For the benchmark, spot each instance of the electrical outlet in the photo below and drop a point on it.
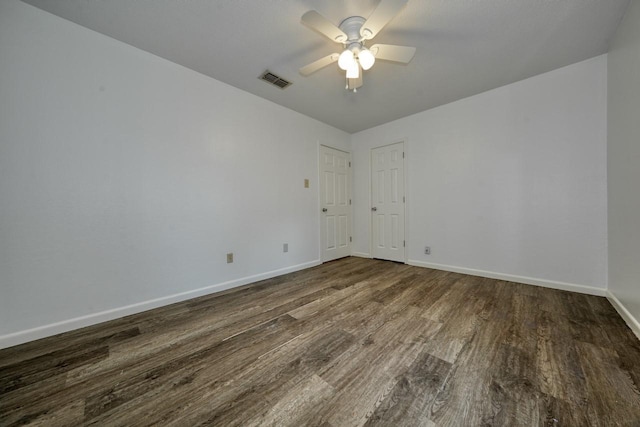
(285, 247)
(427, 250)
(229, 257)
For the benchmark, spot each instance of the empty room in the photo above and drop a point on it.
(320, 213)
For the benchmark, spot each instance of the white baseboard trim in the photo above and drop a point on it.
(590, 290)
(21, 337)
(631, 321)
(361, 254)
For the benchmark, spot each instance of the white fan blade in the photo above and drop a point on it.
(320, 63)
(389, 52)
(321, 24)
(385, 12)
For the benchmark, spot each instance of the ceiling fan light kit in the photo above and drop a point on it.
(356, 54)
(352, 33)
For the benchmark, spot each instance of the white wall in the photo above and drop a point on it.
(125, 179)
(623, 167)
(511, 182)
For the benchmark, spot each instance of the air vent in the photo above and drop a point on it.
(268, 76)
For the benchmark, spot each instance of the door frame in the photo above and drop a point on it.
(405, 169)
(319, 197)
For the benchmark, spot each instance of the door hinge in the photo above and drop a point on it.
(403, 154)
(404, 244)
(404, 200)
(350, 239)
(349, 201)
(349, 164)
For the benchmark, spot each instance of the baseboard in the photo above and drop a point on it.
(631, 321)
(21, 337)
(361, 254)
(590, 290)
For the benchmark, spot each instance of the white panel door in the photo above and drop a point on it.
(387, 202)
(335, 203)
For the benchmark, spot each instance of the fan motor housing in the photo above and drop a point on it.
(351, 27)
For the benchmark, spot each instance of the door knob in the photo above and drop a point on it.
(373, 209)
(324, 209)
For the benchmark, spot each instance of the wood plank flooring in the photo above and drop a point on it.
(348, 343)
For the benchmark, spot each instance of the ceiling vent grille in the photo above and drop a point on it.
(269, 77)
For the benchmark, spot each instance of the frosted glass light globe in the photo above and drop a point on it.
(366, 59)
(346, 60)
(353, 72)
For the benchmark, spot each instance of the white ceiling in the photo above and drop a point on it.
(464, 47)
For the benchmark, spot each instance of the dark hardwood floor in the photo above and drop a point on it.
(351, 342)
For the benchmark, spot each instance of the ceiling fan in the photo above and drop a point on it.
(352, 33)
